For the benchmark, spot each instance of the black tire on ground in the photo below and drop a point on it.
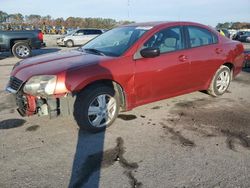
(21, 50)
(69, 43)
(83, 101)
(213, 88)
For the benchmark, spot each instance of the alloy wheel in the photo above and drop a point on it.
(22, 51)
(223, 81)
(102, 110)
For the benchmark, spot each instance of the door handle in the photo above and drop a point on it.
(218, 50)
(183, 58)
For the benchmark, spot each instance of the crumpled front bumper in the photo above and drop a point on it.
(28, 105)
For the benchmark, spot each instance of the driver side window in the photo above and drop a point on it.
(167, 40)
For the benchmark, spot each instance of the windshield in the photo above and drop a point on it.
(116, 41)
(71, 32)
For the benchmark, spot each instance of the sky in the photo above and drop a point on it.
(209, 12)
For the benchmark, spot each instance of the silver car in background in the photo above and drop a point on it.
(78, 37)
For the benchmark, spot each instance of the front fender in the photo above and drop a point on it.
(77, 79)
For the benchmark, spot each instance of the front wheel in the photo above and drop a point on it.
(21, 50)
(69, 43)
(220, 81)
(96, 108)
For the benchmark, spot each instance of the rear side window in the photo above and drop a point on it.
(92, 32)
(200, 37)
(98, 32)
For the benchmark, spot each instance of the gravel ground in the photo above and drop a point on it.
(192, 140)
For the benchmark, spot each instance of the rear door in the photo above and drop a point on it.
(165, 75)
(89, 34)
(205, 55)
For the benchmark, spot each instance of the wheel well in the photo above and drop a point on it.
(13, 41)
(117, 87)
(69, 40)
(229, 65)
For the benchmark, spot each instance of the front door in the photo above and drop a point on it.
(165, 75)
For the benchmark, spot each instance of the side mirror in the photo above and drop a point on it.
(150, 52)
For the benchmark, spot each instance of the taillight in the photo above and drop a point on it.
(40, 36)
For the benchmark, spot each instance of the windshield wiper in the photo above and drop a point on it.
(94, 51)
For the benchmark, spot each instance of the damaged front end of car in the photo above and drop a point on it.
(37, 96)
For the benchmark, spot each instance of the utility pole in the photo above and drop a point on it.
(128, 8)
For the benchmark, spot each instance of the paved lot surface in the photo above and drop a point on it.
(192, 140)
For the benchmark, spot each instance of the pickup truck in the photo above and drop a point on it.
(20, 43)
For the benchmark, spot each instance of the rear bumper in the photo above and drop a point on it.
(38, 45)
(43, 44)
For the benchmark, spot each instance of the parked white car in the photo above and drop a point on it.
(78, 37)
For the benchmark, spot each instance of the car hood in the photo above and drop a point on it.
(54, 63)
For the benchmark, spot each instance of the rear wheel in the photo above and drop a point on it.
(96, 108)
(21, 50)
(220, 81)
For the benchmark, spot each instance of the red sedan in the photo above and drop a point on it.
(126, 67)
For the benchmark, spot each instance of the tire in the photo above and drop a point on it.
(21, 50)
(220, 81)
(69, 43)
(101, 116)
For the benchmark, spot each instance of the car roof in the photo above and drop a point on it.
(88, 29)
(143, 24)
(159, 23)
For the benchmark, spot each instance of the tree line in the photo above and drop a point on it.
(105, 23)
(38, 20)
(234, 25)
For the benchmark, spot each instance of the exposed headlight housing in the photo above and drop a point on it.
(41, 85)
